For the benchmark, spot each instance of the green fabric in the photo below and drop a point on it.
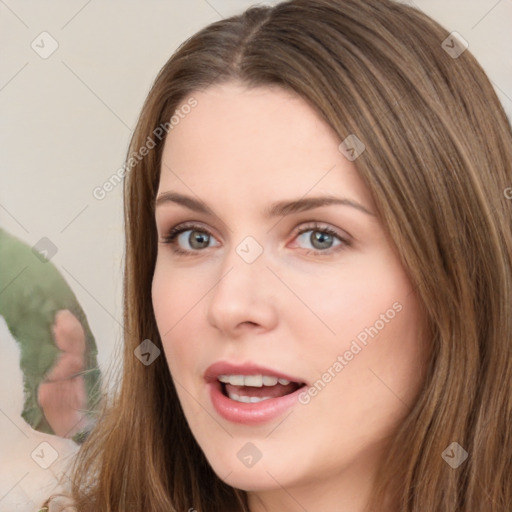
(31, 293)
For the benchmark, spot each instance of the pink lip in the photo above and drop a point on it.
(252, 413)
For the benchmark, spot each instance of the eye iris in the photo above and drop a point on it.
(201, 238)
(324, 239)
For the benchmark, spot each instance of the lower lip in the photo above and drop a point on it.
(250, 414)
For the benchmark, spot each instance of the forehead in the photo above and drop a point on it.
(230, 118)
(257, 141)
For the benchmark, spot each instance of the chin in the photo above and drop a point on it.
(254, 480)
(269, 472)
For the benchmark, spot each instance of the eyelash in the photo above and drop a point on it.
(170, 238)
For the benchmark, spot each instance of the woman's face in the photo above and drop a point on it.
(280, 270)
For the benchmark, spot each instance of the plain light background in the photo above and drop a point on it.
(66, 122)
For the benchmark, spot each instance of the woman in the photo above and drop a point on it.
(318, 274)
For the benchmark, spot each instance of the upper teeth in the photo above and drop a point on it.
(252, 380)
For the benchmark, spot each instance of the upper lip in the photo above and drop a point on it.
(226, 368)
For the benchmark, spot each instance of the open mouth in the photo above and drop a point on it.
(250, 394)
(256, 388)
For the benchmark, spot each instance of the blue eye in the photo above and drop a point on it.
(198, 238)
(322, 239)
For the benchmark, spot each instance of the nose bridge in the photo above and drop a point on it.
(243, 293)
(244, 266)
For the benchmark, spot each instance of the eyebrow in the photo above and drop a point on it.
(278, 209)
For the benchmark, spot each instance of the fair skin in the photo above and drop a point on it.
(296, 308)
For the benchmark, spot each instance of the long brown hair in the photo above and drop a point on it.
(438, 162)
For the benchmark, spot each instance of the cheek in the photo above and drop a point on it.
(351, 296)
(372, 319)
(383, 355)
(173, 300)
(176, 293)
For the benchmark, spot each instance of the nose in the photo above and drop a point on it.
(244, 297)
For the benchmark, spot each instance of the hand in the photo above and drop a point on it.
(62, 394)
